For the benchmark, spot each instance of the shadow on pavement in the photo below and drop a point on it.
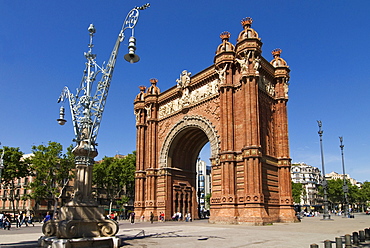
(24, 244)
(173, 234)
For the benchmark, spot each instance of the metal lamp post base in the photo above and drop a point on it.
(80, 222)
(326, 217)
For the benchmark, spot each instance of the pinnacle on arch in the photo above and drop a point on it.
(225, 46)
(140, 96)
(276, 52)
(225, 35)
(247, 32)
(278, 61)
(153, 89)
(247, 22)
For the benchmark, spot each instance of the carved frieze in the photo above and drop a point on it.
(266, 85)
(188, 97)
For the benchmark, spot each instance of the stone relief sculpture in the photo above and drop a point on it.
(257, 64)
(244, 63)
(182, 83)
(184, 79)
(148, 109)
(189, 97)
(137, 115)
(267, 86)
(222, 74)
(286, 87)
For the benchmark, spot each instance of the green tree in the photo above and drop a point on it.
(360, 196)
(365, 193)
(208, 199)
(297, 191)
(52, 171)
(335, 191)
(14, 168)
(114, 175)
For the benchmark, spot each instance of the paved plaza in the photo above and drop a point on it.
(202, 234)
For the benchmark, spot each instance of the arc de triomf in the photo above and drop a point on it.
(239, 106)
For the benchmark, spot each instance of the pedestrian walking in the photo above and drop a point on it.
(47, 217)
(22, 219)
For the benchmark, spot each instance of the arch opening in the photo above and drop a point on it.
(190, 175)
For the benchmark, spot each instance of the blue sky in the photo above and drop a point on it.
(325, 44)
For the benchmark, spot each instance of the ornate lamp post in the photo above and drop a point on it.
(326, 215)
(1, 163)
(82, 217)
(345, 186)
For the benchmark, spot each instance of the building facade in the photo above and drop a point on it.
(334, 176)
(310, 177)
(204, 186)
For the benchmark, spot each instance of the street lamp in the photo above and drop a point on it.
(1, 163)
(82, 217)
(345, 186)
(326, 215)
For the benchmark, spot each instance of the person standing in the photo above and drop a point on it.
(162, 216)
(151, 217)
(19, 219)
(7, 222)
(2, 220)
(30, 218)
(132, 217)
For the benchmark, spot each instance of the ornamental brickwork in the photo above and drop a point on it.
(239, 106)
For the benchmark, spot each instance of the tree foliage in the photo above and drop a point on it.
(208, 199)
(355, 194)
(51, 169)
(297, 191)
(335, 191)
(14, 168)
(115, 175)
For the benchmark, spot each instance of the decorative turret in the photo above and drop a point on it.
(225, 46)
(140, 96)
(225, 51)
(281, 74)
(248, 45)
(153, 89)
(248, 32)
(277, 61)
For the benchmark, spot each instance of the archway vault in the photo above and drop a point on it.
(239, 105)
(189, 134)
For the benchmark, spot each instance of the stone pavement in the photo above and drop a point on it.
(201, 233)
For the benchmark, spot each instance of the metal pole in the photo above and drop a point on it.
(345, 186)
(1, 163)
(326, 215)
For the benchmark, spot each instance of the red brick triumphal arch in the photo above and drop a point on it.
(238, 104)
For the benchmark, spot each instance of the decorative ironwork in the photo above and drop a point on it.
(87, 109)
